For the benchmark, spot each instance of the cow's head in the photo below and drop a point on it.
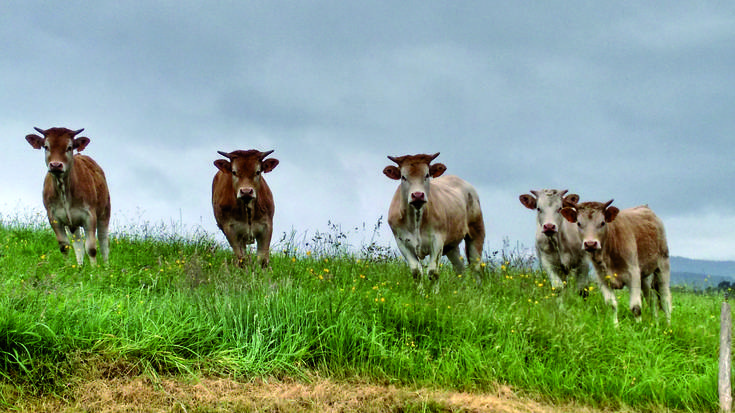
(592, 219)
(246, 168)
(415, 172)
(59, 145)
(548, 204)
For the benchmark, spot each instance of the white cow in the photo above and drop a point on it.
(432, 214)
(557, 240)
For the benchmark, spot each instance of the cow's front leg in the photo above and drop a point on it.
(610, 299)
(61, 237)
(409, 254)
(78, 243)
(264, 242)
(435, 255)
(548, 267)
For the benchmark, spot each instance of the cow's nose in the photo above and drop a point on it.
(590, 245)
(549, 228)
(246, 193)
(55, 166)
(418, 197)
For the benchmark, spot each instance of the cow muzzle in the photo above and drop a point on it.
(418, 199)
(246, 194)
(549, 229)
(591, 246)
(56, 168)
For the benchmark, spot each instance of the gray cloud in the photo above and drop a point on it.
(632, 102)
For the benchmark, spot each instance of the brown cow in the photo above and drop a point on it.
(243, 203)
(557, 240)
(433, 216)
(75, 193)
(625, 247)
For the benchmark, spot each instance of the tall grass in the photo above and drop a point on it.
(179, 306)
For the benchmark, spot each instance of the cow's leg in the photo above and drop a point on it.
(554, 279)
(91, 242)
(649, 290)
(103, 236)
(664, 288)
(435, 255)
(410, 256)
(78, 243)
(232, 239)
(610, 299)
(582, 279)
(456, 259)
(634, 275)
(473, 246)
(61, 236)
(264, 242)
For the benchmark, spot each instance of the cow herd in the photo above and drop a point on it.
(430, 215)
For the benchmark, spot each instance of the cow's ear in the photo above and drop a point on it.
(437, 169)
(223, 165)
(392, 172)
(80, 143)
(611, 213)
(269, 164)
(35, 141)
(570, 200)
(528, 201)
(570, 214)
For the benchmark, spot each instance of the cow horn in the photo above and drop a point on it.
(77, 132)
(394, 159)
(225, 154)
(41, 131)
(607, 204)
(264, 154)
(433, 156)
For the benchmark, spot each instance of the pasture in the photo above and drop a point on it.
(171, 307)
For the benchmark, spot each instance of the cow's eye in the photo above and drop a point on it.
(538, 209)
(579, 225)
(602, 224)
(403, 178)
(558, 210)
(427, 176)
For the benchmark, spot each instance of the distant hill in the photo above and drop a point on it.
(701, 273)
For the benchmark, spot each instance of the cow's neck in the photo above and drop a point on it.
(413, 225)
(63, 189)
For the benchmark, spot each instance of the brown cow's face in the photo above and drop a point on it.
(59, 145)
(246, 168)
(592, 220)
(548, 204)
(415, 173)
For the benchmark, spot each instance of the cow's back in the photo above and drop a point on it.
(453, 206)
(640, 225)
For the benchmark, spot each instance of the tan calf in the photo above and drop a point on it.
(557, 240)
(625, 247)
(243, 203)
(431, 214)
(75, 193)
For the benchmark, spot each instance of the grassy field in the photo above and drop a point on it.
(172, 307)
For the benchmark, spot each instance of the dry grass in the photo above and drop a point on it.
(176, 394)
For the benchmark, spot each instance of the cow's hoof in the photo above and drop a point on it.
(636, 309)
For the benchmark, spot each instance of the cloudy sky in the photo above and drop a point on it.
(627, 100)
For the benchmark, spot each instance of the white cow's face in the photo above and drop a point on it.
(415, 173)
(592, 220)
(58, 145)
(548, 204)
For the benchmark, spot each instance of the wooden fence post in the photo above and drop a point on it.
(724, 384)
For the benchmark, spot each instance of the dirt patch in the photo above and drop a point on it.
(177, 395)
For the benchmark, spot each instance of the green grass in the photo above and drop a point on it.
(168, 305)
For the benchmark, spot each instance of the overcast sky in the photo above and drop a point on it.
(627, 100)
